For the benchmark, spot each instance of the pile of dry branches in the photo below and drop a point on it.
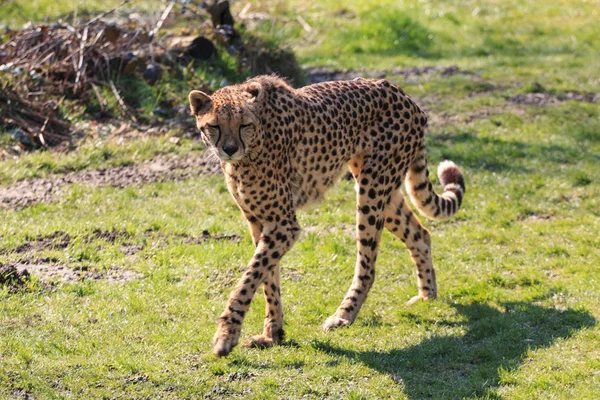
(39, 64)
(37, 123)
(61, 60)
(71, 57)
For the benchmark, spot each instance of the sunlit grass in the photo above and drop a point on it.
(517, 267)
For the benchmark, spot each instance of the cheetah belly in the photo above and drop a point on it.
(310, 184)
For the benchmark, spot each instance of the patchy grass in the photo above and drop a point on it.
(517, 268)
(103, 152)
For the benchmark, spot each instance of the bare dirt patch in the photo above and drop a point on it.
(60, 240)
(444, 118)
(51, 269)
(56, 240)
(12, 277)
(544, 99)
(536, 217)
(292, 275)
(130, 249)
(43, 190)
(324, 74)
(48, 272)
(16, 276)
(206, 236)
(110, 236)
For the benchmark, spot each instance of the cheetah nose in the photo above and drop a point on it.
(230, 149)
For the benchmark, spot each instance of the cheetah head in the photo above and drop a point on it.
(227, 120)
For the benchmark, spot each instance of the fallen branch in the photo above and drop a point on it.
(161, 21)
(101, 100)
(104, 14)
(44, 130)
(80, 66)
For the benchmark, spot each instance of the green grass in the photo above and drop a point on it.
(507, 40)
(15, 13)
(517, 268)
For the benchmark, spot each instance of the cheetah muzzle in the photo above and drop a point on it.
(282, 148)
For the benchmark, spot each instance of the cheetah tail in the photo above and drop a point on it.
(421, 192)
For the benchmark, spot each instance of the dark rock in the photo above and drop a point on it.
(202, 49)
(11, 276)
(152, 73)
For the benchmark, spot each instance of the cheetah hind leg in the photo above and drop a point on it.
(401, 221)
(369, 225)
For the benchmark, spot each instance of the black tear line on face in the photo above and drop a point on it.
(218, 128)
(240, 136)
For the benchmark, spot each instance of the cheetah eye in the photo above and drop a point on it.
(244, 126)
(211, 130)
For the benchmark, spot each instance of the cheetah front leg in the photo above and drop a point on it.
(369, 224)
(274, 241)
(273, 329)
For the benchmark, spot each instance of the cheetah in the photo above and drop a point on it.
(281, 148)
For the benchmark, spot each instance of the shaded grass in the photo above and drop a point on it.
(492, 342)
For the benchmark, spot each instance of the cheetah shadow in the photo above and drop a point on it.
(449, 367)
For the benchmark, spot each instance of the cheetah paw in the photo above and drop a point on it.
(223, 344)
(420, 296)
(335, 322)
(260, 341)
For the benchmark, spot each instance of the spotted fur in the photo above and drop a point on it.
(282, 148)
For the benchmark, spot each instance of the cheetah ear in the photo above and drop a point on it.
(200, 102)
(255, 89)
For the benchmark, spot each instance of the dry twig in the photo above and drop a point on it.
(104, 14)
(161, 21)
(121, 102)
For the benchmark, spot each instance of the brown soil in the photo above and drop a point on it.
(12, 277)
(32, 191)
(48, 272)
(110, 236)
(543, 99)
(130, 249)
(537, 217)
(61, 240)
(443, 119)
(324, 74)
(49, 269)
(348, 229)
(206, 236)
(16, 275)
(56, 240)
